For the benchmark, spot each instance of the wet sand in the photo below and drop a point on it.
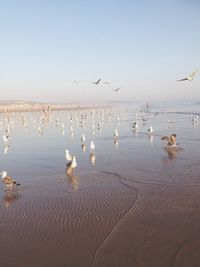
(134, 204)
(101, 219)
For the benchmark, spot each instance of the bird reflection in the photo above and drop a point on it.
(83, 147)
(116, 143)
(150, 138)
(10, 197)
(5, 149)
(72, 179)
(172, 152)
(92, 158)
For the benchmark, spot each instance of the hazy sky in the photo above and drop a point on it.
(140, 46)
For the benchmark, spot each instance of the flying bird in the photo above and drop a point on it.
(97, 82)
(189, 77)
(8, 180)
(117, 89)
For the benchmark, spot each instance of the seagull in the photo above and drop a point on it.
(117, 89)
(143, 119)
(195, 119)
(189, 77)
(135, 126)
(5, 138)
(72, 164)
(83, 138)
(8, 181)
(106, 83)
(92, 146)
(67, 155)
(116, 134)
(150, 130)
(97, 82)
(171, 140)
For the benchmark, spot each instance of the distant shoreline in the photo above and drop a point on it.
(34, 107)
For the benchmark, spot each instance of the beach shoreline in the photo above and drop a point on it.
(35, 107)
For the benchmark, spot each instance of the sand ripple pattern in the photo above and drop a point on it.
(115, 229)
(105, 218)
(51, 216)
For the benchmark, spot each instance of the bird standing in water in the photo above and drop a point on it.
(8, 180)
(171, 140)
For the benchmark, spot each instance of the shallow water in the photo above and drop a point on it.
(133, 199)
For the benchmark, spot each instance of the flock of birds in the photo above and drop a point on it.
(187, 78)
(46, 115)
(75, 119)
(99, 81)
(81, 120)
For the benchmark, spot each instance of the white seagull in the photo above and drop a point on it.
(150, 130)
(189, 77)
(92, 145)
(83, 138)
(5, 138)
(72, 164)
(67, 155)
(116, 134)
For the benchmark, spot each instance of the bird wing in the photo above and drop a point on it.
(184, 79)
(68, 157)
(8, 180)
(193, 73)
(98, 81)
(69, 164)
(172, 139)
(165, 138)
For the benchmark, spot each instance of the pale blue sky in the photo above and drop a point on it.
(140, 46)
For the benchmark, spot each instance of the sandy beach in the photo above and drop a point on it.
(136, 205)
(100, 134)
(113, 220)
(28, 106)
